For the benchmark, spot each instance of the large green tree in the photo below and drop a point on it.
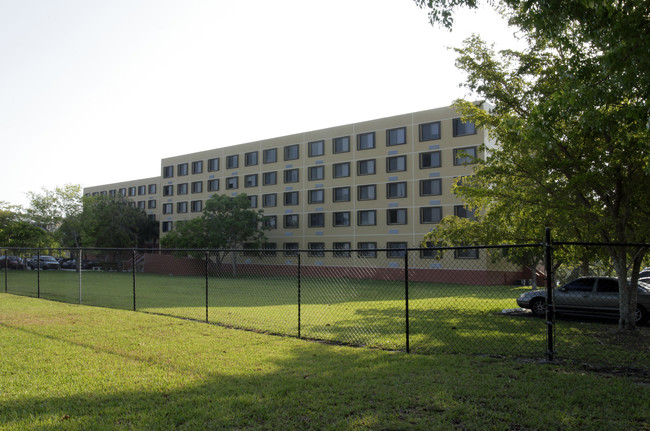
(227, 223)
(571, 120)
(49, 208)
(113, 222)
(15, 231)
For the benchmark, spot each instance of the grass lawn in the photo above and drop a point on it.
(73, 367)
(443, 318)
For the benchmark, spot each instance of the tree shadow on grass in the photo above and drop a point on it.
(311, 386)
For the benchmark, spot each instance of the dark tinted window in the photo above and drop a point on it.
(607, 285)
(581, 285)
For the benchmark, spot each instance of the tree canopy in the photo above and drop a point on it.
(571, 119)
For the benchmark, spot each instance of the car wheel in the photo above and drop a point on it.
(538, 307)
(641, 315)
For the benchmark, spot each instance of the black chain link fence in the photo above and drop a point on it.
(451, 300)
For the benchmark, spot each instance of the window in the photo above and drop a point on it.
(253, 200)
(152, 189)
(396, 216)
(466, 253)
(168, 209)
(367, 218)
(464, 212)
(181, 169)
(396, 249)
(168, 172)
(232, 183)
(342, 218)
(316, 173)
(250, 159)
(111, 193)
(269, 249)
(151, 204)
(341, 145)
(291, 152)
(366, 167)
(213, 185)
(367, 192)
(291, 248)
(270, 178)
(366, 141)
(316, 196)
(232, 162)
(269, 200)
(430, 215)
(396, 164)
(121, 191)
(291, 176)
(168, 190)
(396, 136)
(291, 221)
(166, 226)
(141, 205)
(464, 156)
(342, 249)
(250, 180)
(131, 191)
(317, 220)
(463, 128)
(197, 187)
(181, 207)
(431, 187)
(341, 170)
(430, 253)
(271, 222)
(430, 131)
(316, 148)
(196, 206)
(396, 190)
(181, 189)
(197, 167)
(291, 198)
(316, 249)
(367, 249)
(270, 155)
(213, 165)
(142, 190)
(341, 194)
(430, 160)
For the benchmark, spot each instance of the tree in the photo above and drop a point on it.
(113, 222)
(49, 208)
(15, 231)
(227, 223)
(571, 119)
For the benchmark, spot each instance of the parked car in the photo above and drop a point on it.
(589, 296)
(43, 262)
(644, 275)
(72, 264)
(12, 262)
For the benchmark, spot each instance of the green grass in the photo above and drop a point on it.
(72, 367)
(443, 318)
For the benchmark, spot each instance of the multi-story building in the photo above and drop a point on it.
(381, 183)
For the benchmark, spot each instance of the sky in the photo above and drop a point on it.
(97, 92)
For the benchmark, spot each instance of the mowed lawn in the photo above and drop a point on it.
(74, 367)
(443, 318)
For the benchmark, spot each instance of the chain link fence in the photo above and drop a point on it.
(424, 300)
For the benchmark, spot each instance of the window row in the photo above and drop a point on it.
(129, 191)
(364, 141)
(182, 207)
(365, 249)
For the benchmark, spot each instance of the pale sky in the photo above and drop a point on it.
(96, 92)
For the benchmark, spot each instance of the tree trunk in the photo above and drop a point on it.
(627, 292)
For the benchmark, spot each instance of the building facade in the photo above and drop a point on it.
(375, 184)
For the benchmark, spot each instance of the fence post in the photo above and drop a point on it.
(550, 317)
(299, 280)
(133, 272)
(6, 266)
(406, 298)
(79, 265)
(38, 273)
(206, 287)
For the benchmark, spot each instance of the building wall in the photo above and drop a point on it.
(184, 184)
